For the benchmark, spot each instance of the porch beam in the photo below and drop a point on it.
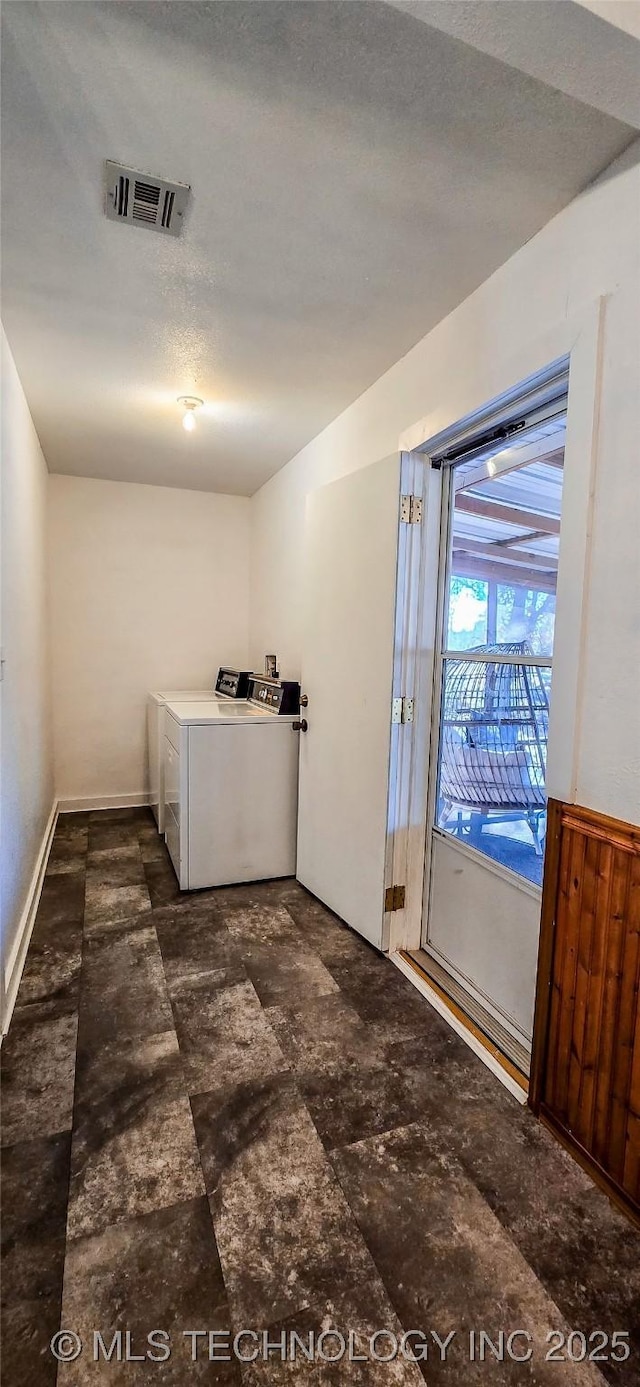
(468, 566)
(509, 515)
(512, 554)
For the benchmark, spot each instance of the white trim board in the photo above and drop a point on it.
(577, 339)
(141, 800)
(18, 953)
(469, 1038)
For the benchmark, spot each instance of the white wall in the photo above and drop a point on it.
(149, 590)
(592, 248)
(26, 783)
(618, 12)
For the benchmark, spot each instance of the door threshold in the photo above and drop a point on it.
(504, 1069)
(506, 1040)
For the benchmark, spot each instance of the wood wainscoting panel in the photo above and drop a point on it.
(586, 1051)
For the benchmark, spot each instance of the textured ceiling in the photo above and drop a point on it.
(355, 173)
(586, 49)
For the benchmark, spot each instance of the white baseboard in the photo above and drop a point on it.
(75, 806)
(470, 1039)
(17, 956)
(18, 952)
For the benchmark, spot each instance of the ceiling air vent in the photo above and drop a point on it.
(142, 200)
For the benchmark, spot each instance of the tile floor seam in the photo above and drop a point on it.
(390, 1283)
(188, 1095)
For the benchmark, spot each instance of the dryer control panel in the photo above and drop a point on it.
(233, 683)
(281, 696)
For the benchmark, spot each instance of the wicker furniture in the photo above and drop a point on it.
(494, 741)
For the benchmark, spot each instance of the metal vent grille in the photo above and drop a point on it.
(141, 200)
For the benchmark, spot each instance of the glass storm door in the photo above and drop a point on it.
(500, 540)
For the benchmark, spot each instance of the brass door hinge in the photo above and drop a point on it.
(394, 898)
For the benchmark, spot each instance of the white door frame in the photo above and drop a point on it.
(578, 340)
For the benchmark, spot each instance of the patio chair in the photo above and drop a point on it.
(494, 742)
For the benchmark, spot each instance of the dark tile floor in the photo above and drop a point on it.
(225, 1111)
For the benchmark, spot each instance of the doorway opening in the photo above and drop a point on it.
(499, 547)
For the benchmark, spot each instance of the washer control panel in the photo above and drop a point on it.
(280, 696)
(233, 683)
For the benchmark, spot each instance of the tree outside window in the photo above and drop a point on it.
(485, 612)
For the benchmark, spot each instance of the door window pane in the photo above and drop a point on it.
(467, 613)
(500, 604)
(493, 751)
(526, 614)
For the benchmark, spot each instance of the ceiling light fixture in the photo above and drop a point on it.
(189, 403)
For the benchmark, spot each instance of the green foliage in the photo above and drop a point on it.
(522, 614)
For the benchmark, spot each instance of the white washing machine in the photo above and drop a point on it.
(230, 684)
(231, 786)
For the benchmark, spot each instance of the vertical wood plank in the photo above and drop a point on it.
(595, 994)
(610, 1012)
(557, 972)
(631, 1173)
(587, 1048)
(627, 1018)
(570, 911)
(585, 949)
